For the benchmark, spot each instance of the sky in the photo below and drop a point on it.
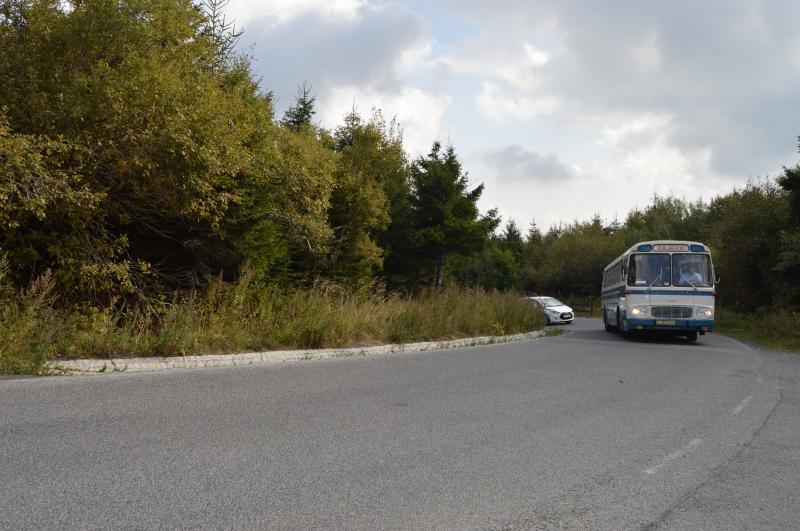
(563, 109)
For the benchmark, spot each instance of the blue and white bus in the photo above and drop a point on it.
(660, 285)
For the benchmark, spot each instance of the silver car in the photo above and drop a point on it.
(556, 311)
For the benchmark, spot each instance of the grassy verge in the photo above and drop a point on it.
(247, 316)
(776, 330)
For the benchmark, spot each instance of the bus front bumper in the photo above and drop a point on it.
(678, 325)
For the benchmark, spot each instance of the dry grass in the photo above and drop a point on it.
(248, 316)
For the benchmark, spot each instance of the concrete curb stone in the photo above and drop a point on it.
(103, 366)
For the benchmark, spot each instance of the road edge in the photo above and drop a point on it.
(116, 365)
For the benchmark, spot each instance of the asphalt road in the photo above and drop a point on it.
(579, 431)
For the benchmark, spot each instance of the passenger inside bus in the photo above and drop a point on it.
(690, 276)
(692, 270)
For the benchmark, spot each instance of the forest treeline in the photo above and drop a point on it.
(140, 156)
(753, 232)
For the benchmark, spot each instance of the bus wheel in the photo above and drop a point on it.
(691, 337)
(608, 326)
(624, 333)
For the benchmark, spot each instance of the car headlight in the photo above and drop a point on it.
(705, 312)
(638, 311)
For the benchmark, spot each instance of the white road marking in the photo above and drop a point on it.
(674, 455)
(738, 409)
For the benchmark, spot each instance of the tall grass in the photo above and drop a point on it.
(778, 329)
(248, 316)
(28, 324)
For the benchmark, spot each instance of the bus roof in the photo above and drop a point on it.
(651, 246)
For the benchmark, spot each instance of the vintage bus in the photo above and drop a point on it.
(660, 285)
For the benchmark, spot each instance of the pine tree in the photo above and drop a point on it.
(512, 239)
(299, 115)
(222, 33)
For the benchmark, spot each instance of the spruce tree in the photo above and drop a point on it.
(445, 213)
(299, 115)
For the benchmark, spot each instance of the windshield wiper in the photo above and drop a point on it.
(659, 277)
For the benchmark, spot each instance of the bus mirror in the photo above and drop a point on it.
(716, 280)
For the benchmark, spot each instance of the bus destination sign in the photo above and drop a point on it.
(670, 248)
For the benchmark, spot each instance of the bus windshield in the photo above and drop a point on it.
(649, 270)
(692, 270)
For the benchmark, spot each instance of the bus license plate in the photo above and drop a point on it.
(665, 323)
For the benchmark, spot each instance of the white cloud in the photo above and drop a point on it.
(538, 57)
(418, 112)
(725, 70)
(494, 104)
(513, 61)
(376, 48)
(638, 132)
(274, 12)
(413, 57)
(638, 162)
(644, 159)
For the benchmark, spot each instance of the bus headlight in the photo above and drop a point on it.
(708, 313)
(638, 311)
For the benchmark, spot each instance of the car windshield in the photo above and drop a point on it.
(549, 302)
(649, 270)
(692, 270)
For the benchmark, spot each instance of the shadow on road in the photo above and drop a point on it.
(592, 330)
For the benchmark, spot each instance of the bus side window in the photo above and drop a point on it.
(632, 272)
